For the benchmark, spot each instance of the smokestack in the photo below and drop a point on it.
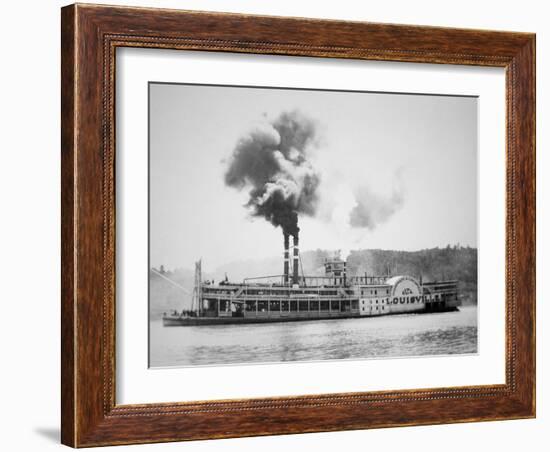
(295, 264)
(345, 272)
(287, 258)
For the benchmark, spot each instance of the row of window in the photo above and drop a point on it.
(301, 305)
(383, 308)
(323, 305)
(376, 301)
(374, 292)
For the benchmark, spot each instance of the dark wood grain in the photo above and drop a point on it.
(90, 36)
(67, 225)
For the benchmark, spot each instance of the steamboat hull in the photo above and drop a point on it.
(199, 321)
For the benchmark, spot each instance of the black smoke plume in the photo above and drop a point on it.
(272, 163)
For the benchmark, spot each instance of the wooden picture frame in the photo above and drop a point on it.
(90, 35)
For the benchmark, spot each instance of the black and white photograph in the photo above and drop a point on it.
(294, 225)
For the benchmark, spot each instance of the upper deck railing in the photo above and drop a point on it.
(318, 281)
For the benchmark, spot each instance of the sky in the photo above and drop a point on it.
(411, 160)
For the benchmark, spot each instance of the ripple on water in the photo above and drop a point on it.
(390, 336)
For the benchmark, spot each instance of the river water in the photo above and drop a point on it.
(380, 337)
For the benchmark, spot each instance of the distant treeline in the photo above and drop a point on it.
(449, 263)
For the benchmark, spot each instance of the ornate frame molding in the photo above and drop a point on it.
(90, 37)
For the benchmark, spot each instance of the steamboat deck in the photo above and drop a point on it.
(333, 296)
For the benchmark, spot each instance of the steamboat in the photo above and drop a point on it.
(292, 296)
